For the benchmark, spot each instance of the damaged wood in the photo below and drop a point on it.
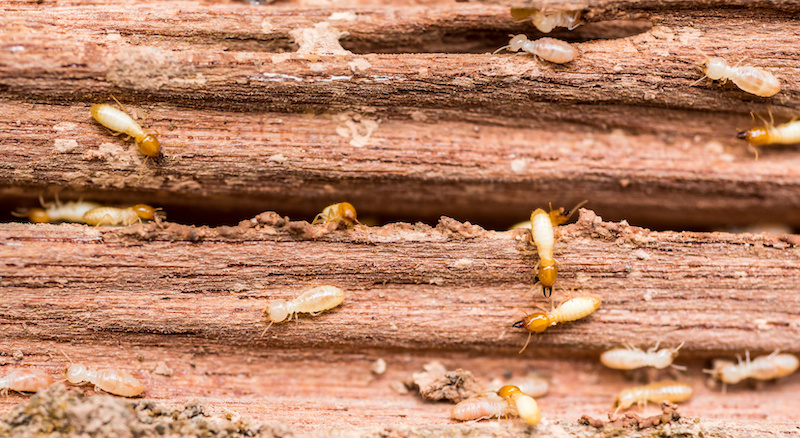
(148, 298)
(134, 284)
(621, 126)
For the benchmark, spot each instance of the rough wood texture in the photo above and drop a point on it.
(194, 297)
(408, 116)
(621, 126)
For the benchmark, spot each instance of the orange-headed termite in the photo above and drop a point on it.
(312, 301)
(118, 121)
(483, 407)
(571, 310)
(655, 392)
(117, 382)
(632, 358)
(547, 21)
(787, 133)
(753, 80)
(543, 236)
(25, 380)
(761, 368)
(72, 211)
(119, 216)
(343, 213)
(549, 49)
(526, 406)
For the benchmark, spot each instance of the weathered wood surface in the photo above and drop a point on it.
(416, 121)
(194, 299)
(620, 126)
(248, 162)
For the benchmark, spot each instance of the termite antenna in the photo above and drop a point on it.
(265, 330)
(526, 342)
(504, 47)
(65, 355)
(697, 81)
(574, 209)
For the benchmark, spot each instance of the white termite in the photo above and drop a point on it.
(655, 392)
(769, 367)
(483, 407)
(312, 301)
(632, 358)
(547, 21)
(118, 121)
(112, 381)
(549, 49)
(753, 80)
(25, 380)
(119, 216)
(72, 211)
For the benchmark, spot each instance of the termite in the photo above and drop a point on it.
(343, 213)
(313, 301)
(549, 49)
(787, 133)
(546, 22)
(753, 80)
(119, 216)
(526, 406)
(655, 392)
(25, 380)
(117, 382)
(483, 407)
(570, 310)
(118, 121)
(632, 358)
(768, 367)
(543, 236)
(72, 211)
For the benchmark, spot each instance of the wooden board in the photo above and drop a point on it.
(402, 110)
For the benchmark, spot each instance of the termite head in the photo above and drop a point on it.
(663, 358)
(787, 363)
(548, 272)
(516, 43)
(715, 68)
(625, 399)
(145, 212)
(534, 322)
(560, 216)
(508, 391)
(38, 215)
(727, 371)
(348, 213)
(278, 311)
(149, 146)
(757, 136)
(75, 373)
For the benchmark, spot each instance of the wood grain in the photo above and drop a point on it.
(249, 128)
(404, 112)
(194, 299)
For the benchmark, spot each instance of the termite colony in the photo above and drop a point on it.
(508, 400)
